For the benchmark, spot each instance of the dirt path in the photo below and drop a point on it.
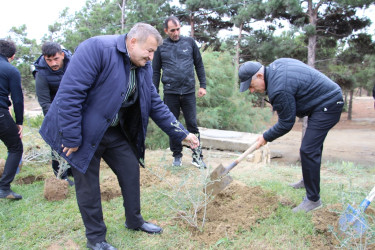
(348, 141)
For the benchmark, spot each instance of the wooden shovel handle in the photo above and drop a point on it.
(241, 157)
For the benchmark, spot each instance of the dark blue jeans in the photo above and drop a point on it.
(117, 153)
(186, 103)
(9, 135)
(319, 123)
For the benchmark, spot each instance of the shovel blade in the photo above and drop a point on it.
(216, 186)
(351, 219)
(217, 173)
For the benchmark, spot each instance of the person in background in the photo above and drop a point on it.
(102, 110)
(10, 131)
(296, 89)
(50, 67)
(178, 57)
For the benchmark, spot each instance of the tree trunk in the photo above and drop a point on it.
(122, 7)
(192, 24)
(311, 50)
(237, 58)
(350, 107)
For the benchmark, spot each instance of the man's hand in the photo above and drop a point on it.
(202, 92)
(20, 129)
(261, 141)
(192, 141)
(69, 151)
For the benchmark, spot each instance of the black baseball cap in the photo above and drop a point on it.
(246, 72)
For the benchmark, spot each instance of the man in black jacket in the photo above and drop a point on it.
(10, 131)
(177, 57)
(50, 67)
(295, 89)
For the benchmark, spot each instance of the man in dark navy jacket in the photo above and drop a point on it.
(102, 110)
(10, 131)
(295, 89)
(49, 70)
(178, 57)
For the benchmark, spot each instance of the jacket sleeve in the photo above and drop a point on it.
(156, 68)
(199, 67)
(373, 92)
(164, 118)
(43, 92)
(285, 105)
(16, 95)
(78, 79)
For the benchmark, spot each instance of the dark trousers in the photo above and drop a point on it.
(117, 153)
(9, 135)
(186, 103)
(319, 123)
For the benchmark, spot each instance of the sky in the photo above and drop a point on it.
(36, 14)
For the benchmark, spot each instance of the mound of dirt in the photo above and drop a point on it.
(237, 207)
(109, 188)
(328, 234)
(148, 179)
(30, 179)
(55, 189)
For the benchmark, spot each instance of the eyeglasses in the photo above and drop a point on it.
(173, 30)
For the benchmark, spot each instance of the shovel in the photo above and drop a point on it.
(352, 217)
(219, 178)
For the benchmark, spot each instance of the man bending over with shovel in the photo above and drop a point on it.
(296, 89)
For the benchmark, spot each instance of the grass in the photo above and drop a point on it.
(35, 223)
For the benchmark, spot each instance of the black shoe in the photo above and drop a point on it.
(71, 183)
(100, 246)
(148, 228)
(9, 194)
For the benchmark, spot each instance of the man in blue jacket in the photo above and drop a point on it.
(10, 131)
(49, 70)
(102, 110)
(178, 57)
(295, 89)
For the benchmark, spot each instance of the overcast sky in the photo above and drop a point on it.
(38, 14)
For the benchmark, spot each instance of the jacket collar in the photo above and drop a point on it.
(121, 46)
(3, 58)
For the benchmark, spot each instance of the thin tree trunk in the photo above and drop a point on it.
(237, 58)
(192, 24)
(350, 107)
(311, 49)
(122, 8)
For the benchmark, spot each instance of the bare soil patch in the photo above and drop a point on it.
(30, 179)
(238, 207)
